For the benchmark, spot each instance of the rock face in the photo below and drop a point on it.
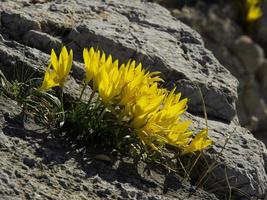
(239, 53)
(36, 165)
(127, 29)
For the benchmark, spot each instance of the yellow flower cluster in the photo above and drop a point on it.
(153, 112)
(254, 12)
(61, 68)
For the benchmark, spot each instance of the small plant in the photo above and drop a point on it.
(249, 11)
(253, 10)
(130, 99)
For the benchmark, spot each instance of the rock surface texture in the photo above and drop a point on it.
(34, 165)
(239, 53)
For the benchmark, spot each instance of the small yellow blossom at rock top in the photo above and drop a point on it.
(254, 12)
(91, 62)
(56, 76)
(62, 65)
(154, 112)
(104, 73)
(49, 79)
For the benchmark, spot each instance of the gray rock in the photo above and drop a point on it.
(242, 160)
(243, 57)
(127, 30)
(252, 101)
(21, 63)
(260, 25)
(76, 178)
(41, 40)
(250, 53)
(29, 162)
(262, 74)
(11, 110)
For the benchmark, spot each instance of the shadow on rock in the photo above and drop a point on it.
(54, 149)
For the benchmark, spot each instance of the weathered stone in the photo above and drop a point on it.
(251, 100)
(262, 74)
(242, 161)
(127, 30)
(42, 41)
(21, 61)
(260, 26)
(123, 179)
(243, 57)
(250, 54)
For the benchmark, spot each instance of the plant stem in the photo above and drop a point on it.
(90, 98)
(84, 86)
(62, 106)
(102, 113)
(195, 162)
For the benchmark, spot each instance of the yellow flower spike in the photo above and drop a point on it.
(108, 81)
(95, 64)
(201, 141)
(56, 76)
(94, 61)
(54, 61)
(139, 121)
(147, 103)
(104, 85)
(253, 10)
(254, 13)
(138, 69)
(49, 79)
(87, 57)
(62, 65)
(109, 63)
(103, 59)
(178, 134)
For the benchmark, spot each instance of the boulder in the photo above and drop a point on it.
(37, 165)
(127, 29)
(241, 166)
(250, 54)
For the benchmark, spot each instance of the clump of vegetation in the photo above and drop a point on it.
(249, 11)
(129, 98)
(252, 10)
(128, 110)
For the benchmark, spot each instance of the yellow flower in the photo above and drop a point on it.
(164, 123)
(108, 83)
(153, 112)
(49, 79)
(91, 60)
(104, 72)
(254, 13)
(201, 141)
(179, 135)
(62, 66)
